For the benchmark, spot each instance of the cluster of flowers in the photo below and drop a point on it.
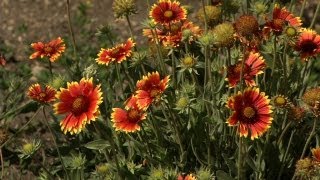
(148, 90)
(81, 100)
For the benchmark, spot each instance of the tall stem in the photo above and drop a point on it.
(50, 69)
(72, 35)
(54, 141)
(312, 133)
(302, 8)
(316, 13)
(130, 27)
(285, 156)
(240, 159)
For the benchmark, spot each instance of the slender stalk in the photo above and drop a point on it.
(205, 17)
(302, 8)
(159, 52)
(316, 13)
(130, 28)
(72, 36)
(24, 126)
(285, 155)
(50, 69)
(54, 141)
(2, 164)
(240, 159)
(283, 132)
(274, 55)
(71, 29)
(174, 80)
(312, 133)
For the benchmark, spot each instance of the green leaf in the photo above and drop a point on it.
(221, 175)
(99, 144)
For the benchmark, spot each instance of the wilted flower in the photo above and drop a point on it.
(253, 65)
(118, 53)
(308, 44)
(212, 12)
(129, 119)
(150, 88)
(296, 113)
(247, 26)
(53, 49)
(251, 112)
(305, 168)
(166, 12)
(223, 35)
(80, 101)
(40, 94)
(312, 98)
(124, 8)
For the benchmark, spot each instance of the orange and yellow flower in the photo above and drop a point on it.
(281, 18)
(172, 35)
(53, 49)
(118, 53)
(166, 12)
(251, 112)
(253, 66)
(42, 95)
(150, 89)
(80, 102)
(128, 119)
(308, 44)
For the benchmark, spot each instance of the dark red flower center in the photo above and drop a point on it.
(168, 14)
(79, 105)
(308, 46)
(42, 94)
(134, 115)
(248, 112)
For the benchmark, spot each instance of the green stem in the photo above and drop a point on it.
(283, 132)
(54, 141)
(174, 81)
(302, 8)
(72, 35)
(240, 159)
(159, 52)
(130, 28)
(285, 155)
(316, 13)
(24, 126)
(50, 69)
(274, 55)
(312, 133)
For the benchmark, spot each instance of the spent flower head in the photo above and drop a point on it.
(223, 35)
(124, 8)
